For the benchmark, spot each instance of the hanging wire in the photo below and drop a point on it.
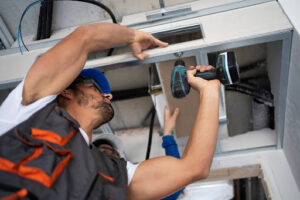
(111, 14)
(39, 1)
(153, 111)
(101, 5)
(20, 26)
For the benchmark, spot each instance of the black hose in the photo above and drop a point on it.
(111, 14)
(41, 30)
(104, 7)
(130, 94)
(150, 134)
(261, 95)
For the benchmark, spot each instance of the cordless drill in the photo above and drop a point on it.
(226, 71)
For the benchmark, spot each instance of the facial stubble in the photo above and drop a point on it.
(106, 111)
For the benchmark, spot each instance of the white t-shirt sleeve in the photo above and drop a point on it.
(12, 112)
(130, 170)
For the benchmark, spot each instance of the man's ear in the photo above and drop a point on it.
(64, 97)
(67, 94)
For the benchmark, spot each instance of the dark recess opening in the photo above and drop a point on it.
(179, 35)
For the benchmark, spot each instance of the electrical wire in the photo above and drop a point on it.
(150, 133)
(86, 1)
(20, 26)
(261, 95)
(101, 5)
(111, 14)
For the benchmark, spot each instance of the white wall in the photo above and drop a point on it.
(292, 124)
(291, 8)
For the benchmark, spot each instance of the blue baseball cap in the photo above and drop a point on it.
(97, 78)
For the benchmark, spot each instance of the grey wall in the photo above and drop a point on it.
(292, 123)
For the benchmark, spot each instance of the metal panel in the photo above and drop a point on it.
(195, 12)
(284, 73)
(156, 55)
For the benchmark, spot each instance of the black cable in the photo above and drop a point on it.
(101, 5)
(40, 34)
(261, 95)
(130, 94)
(111, 14)
(150, 134)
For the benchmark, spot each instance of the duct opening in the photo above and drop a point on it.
(181, 34)
(252, 104)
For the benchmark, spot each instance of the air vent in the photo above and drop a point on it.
(180, 34)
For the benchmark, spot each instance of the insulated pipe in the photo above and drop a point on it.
(49, 18)
(103, 7)
(129, 94)
(260, 95)
(43, 29)
(107, 10)
(39, 29)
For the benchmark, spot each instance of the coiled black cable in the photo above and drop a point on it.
(49, 20)
(101, 5)
(111, 14)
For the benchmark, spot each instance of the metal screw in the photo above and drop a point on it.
(178, 54)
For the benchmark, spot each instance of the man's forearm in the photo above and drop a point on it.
(173, 174)
(202, 140)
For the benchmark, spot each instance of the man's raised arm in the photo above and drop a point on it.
(162, 176)
(59, 66)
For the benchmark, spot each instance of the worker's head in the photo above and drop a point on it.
(110, 144)
(89, 95)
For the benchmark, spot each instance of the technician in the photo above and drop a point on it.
(46, 126)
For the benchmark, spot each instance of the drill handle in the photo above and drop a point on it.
(207, 75)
